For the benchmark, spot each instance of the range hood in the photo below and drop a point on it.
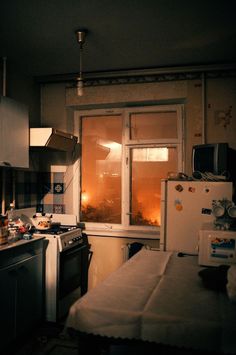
(52, 138)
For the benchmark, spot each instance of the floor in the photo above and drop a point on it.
(53, 339)
(48, 339)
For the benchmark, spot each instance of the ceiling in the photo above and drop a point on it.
(38, 37)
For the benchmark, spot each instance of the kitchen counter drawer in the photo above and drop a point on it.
(13, 253)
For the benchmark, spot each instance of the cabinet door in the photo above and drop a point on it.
(14, 133)
(29, 294)
(7, 305)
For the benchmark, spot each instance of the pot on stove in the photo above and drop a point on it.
(42, 221)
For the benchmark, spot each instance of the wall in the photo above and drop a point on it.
(24, 89)
(108, 255)
(221, 111)
(54, 112)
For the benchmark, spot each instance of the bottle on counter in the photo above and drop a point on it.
(13, 228)
(11, 215)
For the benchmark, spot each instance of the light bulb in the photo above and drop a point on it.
(80, 87)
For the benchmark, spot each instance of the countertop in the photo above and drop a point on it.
(19, 242)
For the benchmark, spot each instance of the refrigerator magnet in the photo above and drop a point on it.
(178, 205)
(179, 188)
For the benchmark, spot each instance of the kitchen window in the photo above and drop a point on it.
(125, 154)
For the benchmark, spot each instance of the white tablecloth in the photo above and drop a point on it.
(158, 296)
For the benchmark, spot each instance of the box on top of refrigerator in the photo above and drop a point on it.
(216, 247)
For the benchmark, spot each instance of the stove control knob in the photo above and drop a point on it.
(70, 242)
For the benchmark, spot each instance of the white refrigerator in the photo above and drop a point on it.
(185, 207)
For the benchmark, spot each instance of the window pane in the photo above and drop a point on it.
(153, 125)
(148, 167)
(101, 169)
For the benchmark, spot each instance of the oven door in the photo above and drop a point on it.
(73, 270)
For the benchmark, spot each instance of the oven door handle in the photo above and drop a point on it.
(90, 257)
(75, 250)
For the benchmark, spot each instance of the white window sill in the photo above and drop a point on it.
(123, 233)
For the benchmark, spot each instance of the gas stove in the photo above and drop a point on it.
(66, 265)
(64, 232)
(56, 229)
(67, 236)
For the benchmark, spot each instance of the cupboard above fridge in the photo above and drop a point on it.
(14, 133)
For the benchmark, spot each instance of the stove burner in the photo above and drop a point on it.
(56, 229)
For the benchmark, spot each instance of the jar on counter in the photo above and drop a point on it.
(13, 234)
(3, 229)
(3, 235)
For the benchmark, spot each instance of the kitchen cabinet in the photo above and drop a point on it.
(22, 284)
(14, 133)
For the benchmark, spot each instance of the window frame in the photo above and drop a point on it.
(127, 186)
(152, 109)
(127, 145)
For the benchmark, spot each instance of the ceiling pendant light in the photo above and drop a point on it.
(80, 34)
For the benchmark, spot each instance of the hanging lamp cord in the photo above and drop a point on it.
(81, 61)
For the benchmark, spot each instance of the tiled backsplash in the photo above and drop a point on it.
(42, 189)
